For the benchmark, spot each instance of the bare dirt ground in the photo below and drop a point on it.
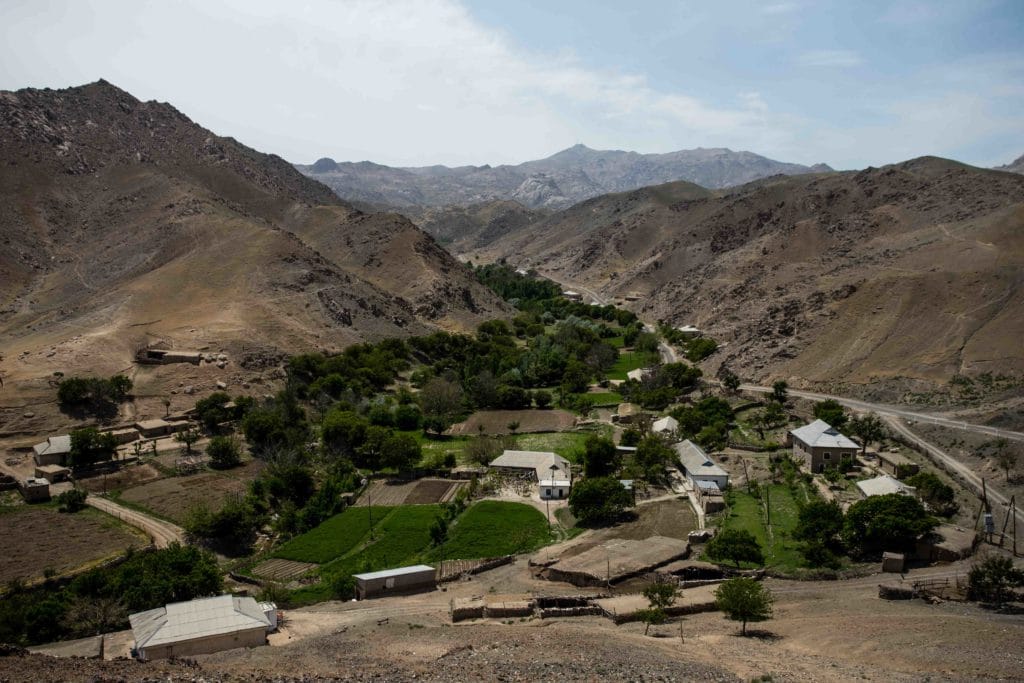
(420, 492)
(497, 421)
(172, 497)
(36, 538)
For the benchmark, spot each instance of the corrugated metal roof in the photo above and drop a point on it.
(54, 444)
(665, 424)
(880, 486)
(539, 461)
(400, 571)
(695, 461)
(820, 434)
(181, 621)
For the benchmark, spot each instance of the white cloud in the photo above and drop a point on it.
(830, 58)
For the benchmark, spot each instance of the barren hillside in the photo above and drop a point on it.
(902, 276)
(127, 223)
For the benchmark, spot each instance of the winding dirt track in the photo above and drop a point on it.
(163, 533)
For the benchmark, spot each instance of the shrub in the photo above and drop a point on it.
(598, 501)
(735, 545)
(72, 500)
(224, 452)
(744, 599)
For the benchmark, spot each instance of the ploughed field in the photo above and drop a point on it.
(420, 492)
(38, 537)
(171, 498)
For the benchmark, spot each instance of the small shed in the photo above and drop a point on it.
(572, 296)
(688, 331)
(35, 489)
(626, 413)
(53, 451)
(893, 562)
(123, 436)
(709, 496)
(158, 427)
(415, 579)
(897, 464)
(53, 473)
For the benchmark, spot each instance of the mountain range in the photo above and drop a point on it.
(559, 181)
(128, 224)
(893, 279)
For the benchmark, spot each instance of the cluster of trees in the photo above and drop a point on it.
(939, 496)
(100, 600)
(705, 422)
(348, 435)
(93, 395)
(871, 526)
(663, 385)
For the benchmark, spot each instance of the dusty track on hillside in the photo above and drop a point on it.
(163, 533)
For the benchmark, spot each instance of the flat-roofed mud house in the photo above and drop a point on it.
(819, 445)
(202, 626)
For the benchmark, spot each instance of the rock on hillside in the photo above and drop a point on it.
(563, 179)
(902, 276)
(127, 222)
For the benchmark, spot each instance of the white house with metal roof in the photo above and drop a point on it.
(202, 626)
(819, 445)
(698, 467)
(53, 451)
(553, 473)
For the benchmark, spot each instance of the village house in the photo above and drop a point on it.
(413, 579)
(551, 470)
(819, 446)
(688, 331)
(150, 429)
(897, 464)
(53, 451)
(698, 467)
(35, 490)
(203, 626)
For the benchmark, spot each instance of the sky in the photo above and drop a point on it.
(454, 82)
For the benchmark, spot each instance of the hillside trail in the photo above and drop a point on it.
(163, 533)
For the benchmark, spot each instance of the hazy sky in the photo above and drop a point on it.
(851, 83)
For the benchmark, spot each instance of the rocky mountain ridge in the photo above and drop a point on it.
(563, 179)
(903, 276)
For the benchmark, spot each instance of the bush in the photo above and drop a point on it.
(939, 495)
(224, 452)
(700, 348)
(735, 545)
(72, 500)
(89, 446)
(744, 599)
(993, 579)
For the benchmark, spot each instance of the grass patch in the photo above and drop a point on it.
(569, 445)
(492, 528)
(628, 360)
(748, 513)
(333, 538)
(604, 398)
(401, 537)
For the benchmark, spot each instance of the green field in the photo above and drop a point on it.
(401, 538)
(492, 529)
(569, 445)
(604, 398)
(630, 360)
(335, 537)
(747, 512)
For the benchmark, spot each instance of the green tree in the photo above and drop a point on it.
(598, 501)
(699, 349)
(400, 452)
(831, 411)
(993, 580)
(211, 411)
(89, 446)
(188, 437)
(890, 522)
(774, 414)
(72, 500)
(939, 495)
(735, 545)
(343, 433)
(780, 391)
(542, 398)
(743, 599)
(868, 428)
(439, 531)
(224, 452)
(653, 455)
(441, 401)
(730, 380)
(600, 457)
(819, 524)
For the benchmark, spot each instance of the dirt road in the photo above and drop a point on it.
(163, 533)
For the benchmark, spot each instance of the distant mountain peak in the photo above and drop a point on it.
(1015, 166)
